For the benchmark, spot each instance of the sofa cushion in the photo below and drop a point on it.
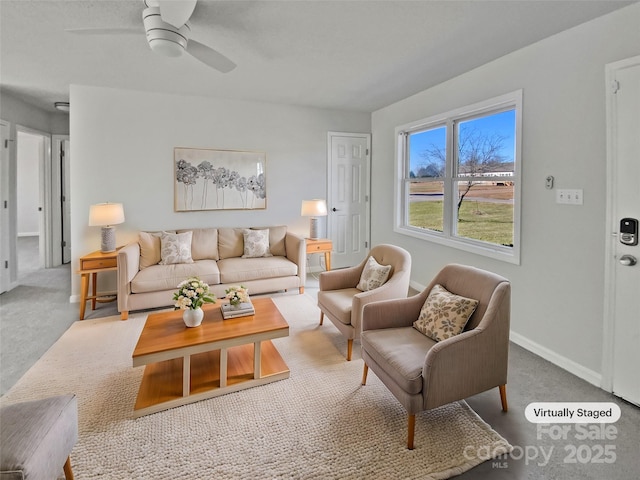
(167, 277)
(149, 248)
(230, 242)
(256, 243)
(400, 352)
(204, 243)
(338, 303)
(276, 239)
(444, 314)
(238, 270)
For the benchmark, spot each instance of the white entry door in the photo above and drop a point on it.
(348, 199)
(4, 210)
(623, 295)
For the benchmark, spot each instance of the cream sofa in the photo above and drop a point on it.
(217, 254)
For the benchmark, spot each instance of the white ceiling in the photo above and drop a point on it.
(352, 55)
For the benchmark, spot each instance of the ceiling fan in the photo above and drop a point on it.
(166, 24)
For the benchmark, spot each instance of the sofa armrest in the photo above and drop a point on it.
(452, 371)
(295, 247)
(395, 313)
(128, 261)
(341, 278)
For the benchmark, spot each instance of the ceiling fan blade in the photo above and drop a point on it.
(176, 12)
(210, 57)
(105, 31)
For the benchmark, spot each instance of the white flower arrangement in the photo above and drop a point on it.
(192, 293)
(237, 295)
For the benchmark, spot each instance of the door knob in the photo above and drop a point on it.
(628, 260)
(334, 209)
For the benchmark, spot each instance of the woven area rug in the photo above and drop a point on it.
(320, 423)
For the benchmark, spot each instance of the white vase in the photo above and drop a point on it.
(192, 317)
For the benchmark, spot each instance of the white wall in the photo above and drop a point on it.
(122, 151)
(558, 288)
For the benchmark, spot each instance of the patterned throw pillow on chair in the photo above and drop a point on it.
(444, 314)
(373, 275)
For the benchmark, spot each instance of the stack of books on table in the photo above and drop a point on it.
(242, 310)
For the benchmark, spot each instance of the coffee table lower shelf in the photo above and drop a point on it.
(163, 384)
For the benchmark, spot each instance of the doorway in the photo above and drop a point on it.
(31, 154)
(621, 356)
(349, 197)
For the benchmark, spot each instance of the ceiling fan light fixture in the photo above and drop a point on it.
(163, 38)
(62, 106)
(166, 48)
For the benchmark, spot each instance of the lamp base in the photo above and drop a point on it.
(314, 228)
(108, 239)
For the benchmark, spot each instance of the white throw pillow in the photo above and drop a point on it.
(175, 248)
(444, 314)
(373, 275)
(256, 243)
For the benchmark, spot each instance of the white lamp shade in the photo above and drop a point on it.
(103, 214)
(314, 208)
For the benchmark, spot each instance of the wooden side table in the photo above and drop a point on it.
(320, 245)
(91, 265)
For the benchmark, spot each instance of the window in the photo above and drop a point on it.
(459, 178)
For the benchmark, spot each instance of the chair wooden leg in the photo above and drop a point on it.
(321, 317)
(349, 349)
(68, 474)
(364, 374)
(411, 431)
(503, 397)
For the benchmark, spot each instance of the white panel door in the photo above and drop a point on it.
(348, 200)
(4, 210)
(66, 201)
(624, 124)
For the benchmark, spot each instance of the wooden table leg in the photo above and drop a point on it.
(327, 260)
(94, 281)
(84, 289)
(257, 359)
(223, 367)
(186, 375)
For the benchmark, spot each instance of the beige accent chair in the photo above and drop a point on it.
(424, 374)
(342, 302)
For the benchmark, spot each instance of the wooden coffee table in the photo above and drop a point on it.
(186, 365)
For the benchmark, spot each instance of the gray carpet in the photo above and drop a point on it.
(25, 337)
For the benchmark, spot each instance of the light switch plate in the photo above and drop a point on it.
(569, 196)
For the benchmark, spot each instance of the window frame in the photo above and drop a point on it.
(449, 235)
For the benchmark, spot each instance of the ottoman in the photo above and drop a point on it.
(37, 437)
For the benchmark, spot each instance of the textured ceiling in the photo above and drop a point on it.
(352, 55)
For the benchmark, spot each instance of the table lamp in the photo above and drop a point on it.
(314, 208)
(106, 215)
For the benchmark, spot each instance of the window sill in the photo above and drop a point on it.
(506, 254)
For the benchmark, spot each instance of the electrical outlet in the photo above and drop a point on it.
(569, 196)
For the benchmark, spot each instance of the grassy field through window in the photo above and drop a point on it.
(486, 214)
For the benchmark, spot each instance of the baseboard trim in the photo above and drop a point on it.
(570, 366)
(74, 299)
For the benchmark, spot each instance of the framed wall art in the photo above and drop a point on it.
(208, 179)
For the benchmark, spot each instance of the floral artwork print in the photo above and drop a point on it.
(208, 179)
